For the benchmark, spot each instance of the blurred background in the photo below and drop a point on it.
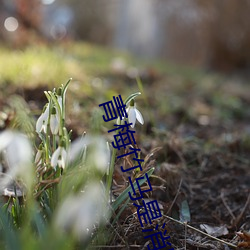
(212, 34)
(193, 60)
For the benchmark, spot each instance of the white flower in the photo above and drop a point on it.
(133, 114)
(54, 121)
(42, 122)
(17, 152)
(79, 214)
(77, 149)
(59, 157)
(59, 99)
(59, 96)
(98, 152)
(39, 154)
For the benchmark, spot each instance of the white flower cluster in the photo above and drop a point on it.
(65, 154)
(50, 116)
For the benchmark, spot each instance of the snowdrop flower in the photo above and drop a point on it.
(134, 114)
(17, 152)
(54, 121)
(98, 152)
(77, 150)
(42, 122)
(39, 154)
(59, 97)
(79, 214)
(59, 157)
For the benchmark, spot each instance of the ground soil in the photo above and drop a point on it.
(201, 158)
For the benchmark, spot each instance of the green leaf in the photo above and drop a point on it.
(139, 83)
(185, 212)
(65, 87)
(47, 95)
(120, 211)
(39, 222)
(10, 236)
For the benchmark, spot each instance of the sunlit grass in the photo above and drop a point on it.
(41, 64)
(37, 65)
(90, 66)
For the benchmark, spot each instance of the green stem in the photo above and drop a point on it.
(54, 142)
(60, 112)
(111, 171)
(63, 100)
(112, 168)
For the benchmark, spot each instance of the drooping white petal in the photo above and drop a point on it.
(78, 214)
(77, 148)
(5, 139)
(132, 116)
(59, 158)
(19, 151)
(38, 156)
(18, 156)
(44, 127)
(55, 156)
(98, 152)
(54, 124)
(39, 123)
(65, 217)
(62, 161)
(139, 116)
(59, 99)
(101, 154)
(64, 154)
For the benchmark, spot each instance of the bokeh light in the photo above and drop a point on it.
(11, 24)
(48, 2)
(58, 31)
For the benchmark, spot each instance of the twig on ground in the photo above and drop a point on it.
(195, 229)
(237, 220)
(117, 246)
(227, 207)
(185, 244)
(174, 200)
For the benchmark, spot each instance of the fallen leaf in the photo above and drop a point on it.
(214, 230)
(245, 236)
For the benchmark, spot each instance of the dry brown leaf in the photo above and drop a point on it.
(245, 236)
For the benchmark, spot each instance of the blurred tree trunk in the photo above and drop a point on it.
(29, 17)
(29, 14)
(92, 20)
(229, 34)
